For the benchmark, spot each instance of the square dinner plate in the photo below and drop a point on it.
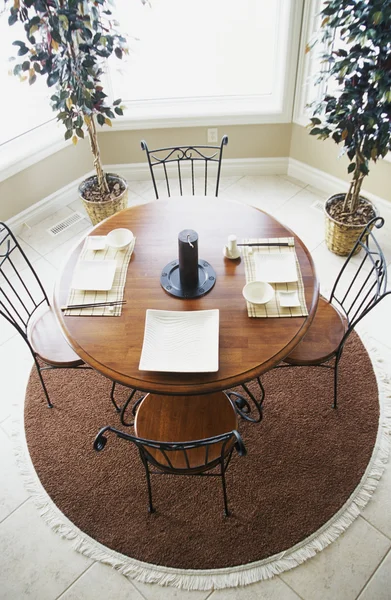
(276, 268)
(94, 275)
(181, 341)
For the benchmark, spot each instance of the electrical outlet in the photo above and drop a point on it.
(212, 136)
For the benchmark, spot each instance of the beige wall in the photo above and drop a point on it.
(42, 179)
(244, 141)
(122, 147)
(323, 155)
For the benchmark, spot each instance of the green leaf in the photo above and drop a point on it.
(26, 65)
(68, 134)
(80, 132)
(351, 167)
(12, 19)
(118, 111)
(118, 52)
(118, 101)
(316, 131)
(101, 119)
(22, 50)
(377, 17)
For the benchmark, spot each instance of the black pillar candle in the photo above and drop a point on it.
(188, 258)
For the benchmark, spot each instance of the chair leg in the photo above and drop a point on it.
(125, 406)
(148, 476)
(117, 408)
(50, 405)
(336, 382)
(226, 511)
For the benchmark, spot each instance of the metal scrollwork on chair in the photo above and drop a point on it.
(247, 406)
(173, 161)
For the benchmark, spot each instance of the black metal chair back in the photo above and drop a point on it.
(176, 163)
(21, 292)
(362, 282)
(175, 458)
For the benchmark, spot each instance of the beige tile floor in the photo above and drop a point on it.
(35, 563)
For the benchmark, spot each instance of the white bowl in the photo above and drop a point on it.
(119, 238)
(258, 292)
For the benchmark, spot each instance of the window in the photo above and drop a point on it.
(234, 61)
(194, 63)
(27, 106)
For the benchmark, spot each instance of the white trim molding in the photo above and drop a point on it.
(325, 182)
(138, 172)
(234, 167)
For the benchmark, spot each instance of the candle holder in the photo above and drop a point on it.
(189, 276)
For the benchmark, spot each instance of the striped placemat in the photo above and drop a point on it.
(122, 258)
(273, 308)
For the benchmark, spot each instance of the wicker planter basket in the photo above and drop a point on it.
(340, 238)
(98, 211)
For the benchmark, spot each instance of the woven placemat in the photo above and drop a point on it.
(273, 308)
(122, 258)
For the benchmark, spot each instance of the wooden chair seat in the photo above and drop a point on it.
(323, 337)
(184, 419)
(48, 342)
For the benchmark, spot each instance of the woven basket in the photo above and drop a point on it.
(340, 238)
(98, 211)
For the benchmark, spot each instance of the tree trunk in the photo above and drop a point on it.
(102, 183)
(351, 201)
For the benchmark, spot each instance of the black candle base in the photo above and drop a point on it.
(171, 283)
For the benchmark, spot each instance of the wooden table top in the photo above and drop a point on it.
(248, 346)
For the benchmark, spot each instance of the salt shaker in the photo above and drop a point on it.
(231, 250)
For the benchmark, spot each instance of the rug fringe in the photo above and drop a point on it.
(233, 576)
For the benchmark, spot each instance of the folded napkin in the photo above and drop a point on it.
(122, 258)
(273, 308)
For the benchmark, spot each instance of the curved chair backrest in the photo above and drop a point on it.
(177, 163)
(362, 281)
(180, 457)
(21, 292)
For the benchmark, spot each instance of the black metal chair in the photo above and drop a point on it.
(176, 163)
(173, 418)
(359, 287)
(25, 305)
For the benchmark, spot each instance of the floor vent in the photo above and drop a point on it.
(65, 223)
(318, 205)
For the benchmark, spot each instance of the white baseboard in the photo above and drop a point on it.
(325, 182)
(45, 207)
(137, 172)
(231, 167)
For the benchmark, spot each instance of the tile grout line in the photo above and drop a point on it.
(75, 580)
(15, 509)
(373, 574)
(289, 586)
(376, 528)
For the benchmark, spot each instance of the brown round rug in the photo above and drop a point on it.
(304, 461)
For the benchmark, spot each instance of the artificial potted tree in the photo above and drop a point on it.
(357, 114)
(67, 42)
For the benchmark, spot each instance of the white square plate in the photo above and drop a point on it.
(96, 242)
(276, 268)
(181, 341)
(288, 298)
(97, 275)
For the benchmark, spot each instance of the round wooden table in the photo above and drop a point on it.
(248, 346)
